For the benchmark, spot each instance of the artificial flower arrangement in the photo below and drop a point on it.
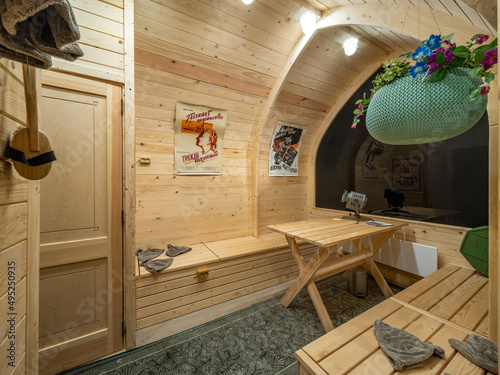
(433, 60)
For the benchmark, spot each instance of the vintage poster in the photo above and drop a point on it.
(372, 158)
(407, 174)
(284, 152)
(199, 131)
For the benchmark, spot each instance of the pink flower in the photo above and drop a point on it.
(481, 39)
(490, 58)
(446, 44)
(485, 89)
(353, 126)
(360, 106)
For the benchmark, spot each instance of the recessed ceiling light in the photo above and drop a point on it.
(247, 2)
(350, 45)
(308, 22)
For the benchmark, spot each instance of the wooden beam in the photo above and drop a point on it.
(129, 178)
(264, 118)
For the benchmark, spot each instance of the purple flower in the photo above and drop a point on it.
(485, 89)
(490, 59)
(420, 53)
(418, 68)
(360, 106)
(449, 56)
(433, 67)
(446, 44)
(481, 39)
(434, 42)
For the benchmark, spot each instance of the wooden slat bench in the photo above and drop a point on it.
(450, 303)
(235, 267)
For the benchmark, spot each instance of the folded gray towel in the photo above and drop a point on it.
(57, 15)
(173, 251)
(404, 350)
(20, 48)
(478, 350)
(34, 30)
(158, 265)
(145, 256)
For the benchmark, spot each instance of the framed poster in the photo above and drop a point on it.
(284, 151)
(199, 132)
(407, 174)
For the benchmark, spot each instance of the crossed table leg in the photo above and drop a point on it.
(316, 269)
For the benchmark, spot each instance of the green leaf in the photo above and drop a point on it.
(437, 75)
(406, 54)
(478, 58)
(488, 77)
(493, 43)
(356, 111)
(440, 58)
(366, 102)
(358, 101)
(476, 71)
(456, 62)
(474, 93)
(449, 36)
(460, 51)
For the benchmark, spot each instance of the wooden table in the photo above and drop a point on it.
(329, 234)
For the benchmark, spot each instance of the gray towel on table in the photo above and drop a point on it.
(145, 256)
(43, 28)
(158, 265)
(479, 351)
(404, 350)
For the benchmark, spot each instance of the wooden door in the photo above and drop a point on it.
(80, 223)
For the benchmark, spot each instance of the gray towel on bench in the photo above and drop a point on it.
(158, 265)
(479, 351)
(173, 251)
(145, 256)
(404, 350)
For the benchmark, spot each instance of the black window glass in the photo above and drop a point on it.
(443, 182)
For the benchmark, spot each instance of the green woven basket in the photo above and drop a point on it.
(409, 111)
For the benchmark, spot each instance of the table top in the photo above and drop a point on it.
(327, 232)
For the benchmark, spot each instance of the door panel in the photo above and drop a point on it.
(80, 240)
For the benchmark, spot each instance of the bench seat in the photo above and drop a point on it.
(213, 273)
(450, 303)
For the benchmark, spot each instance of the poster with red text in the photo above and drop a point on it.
(199, 131)
(284, 150)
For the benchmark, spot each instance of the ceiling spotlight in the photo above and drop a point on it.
(308, 22)
(350, 45)
(247, 1)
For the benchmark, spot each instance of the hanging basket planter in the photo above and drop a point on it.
(409, 111)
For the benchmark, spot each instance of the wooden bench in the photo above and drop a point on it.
(450, 303)
(212, 273)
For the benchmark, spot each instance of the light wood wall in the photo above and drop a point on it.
(18, 238)
(101, 24)
(215, 54)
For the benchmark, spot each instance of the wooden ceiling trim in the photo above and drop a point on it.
(166, 64)
(391, 17)
(302, 101)
(307, 92)
(296, 77)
